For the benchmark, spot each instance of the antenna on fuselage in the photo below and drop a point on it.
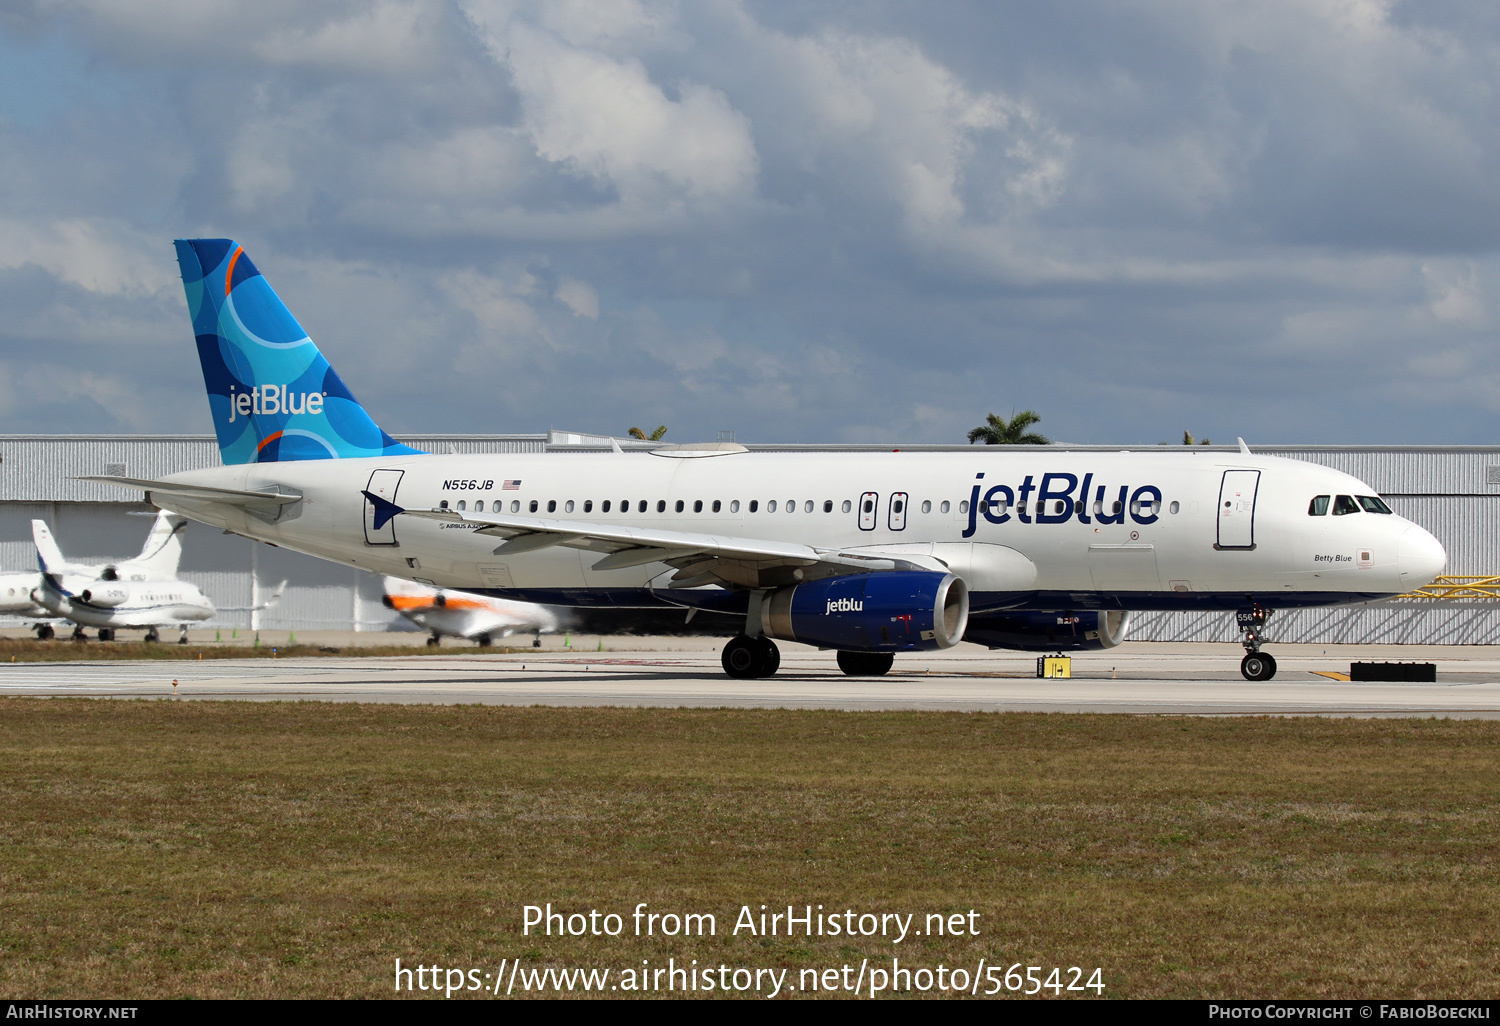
(1243, 447)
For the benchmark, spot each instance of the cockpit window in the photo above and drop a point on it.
(1344, 504)
(1373, 504)
(1318, 507)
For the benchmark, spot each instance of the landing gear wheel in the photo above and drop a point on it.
(485, 641)
(106, 634)
(536, 642)
(78, 635)
(866, 664)
(182, 638)
(770, 657)
(434, 640)
(742, 658)
(44, 632)
(1258, 666)
(151, 637)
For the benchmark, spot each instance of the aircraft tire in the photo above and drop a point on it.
(484, 641)
(106, 634)
(866, 664)
(151, 637)
(44, 632)
(770, 657)
(742, 658)
(1258, 666)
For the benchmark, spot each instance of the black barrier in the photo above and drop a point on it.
(1421, 673)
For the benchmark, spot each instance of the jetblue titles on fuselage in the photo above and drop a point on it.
(1057, 503)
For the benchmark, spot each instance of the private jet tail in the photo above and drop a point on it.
(272, 394)
(161, 553)
(49, 557)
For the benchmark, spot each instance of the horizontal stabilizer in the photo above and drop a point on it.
(199, 493)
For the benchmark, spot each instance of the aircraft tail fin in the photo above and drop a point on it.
(271, 392)
(163, 549)
(48, 556)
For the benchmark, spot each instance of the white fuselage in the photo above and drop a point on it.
(126, 604)
(1162, 550)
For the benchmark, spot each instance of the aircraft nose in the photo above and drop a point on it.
(1420, 557)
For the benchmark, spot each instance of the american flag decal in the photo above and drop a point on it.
(510, 486)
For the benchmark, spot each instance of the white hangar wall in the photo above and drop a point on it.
(1453, 491)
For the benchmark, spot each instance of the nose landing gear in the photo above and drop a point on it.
(1256, 665)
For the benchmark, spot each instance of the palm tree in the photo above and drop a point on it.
(999, 431)
(654, 436)
(1187, 439)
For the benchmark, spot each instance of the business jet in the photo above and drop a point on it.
(868, 554)
(159, 558)
(136, 601)
(465, 614)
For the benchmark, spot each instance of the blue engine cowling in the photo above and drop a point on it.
(899, 611)
(1031, 631)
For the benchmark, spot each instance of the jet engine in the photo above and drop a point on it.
(1031, 631)
(106, 597)
(897, 611)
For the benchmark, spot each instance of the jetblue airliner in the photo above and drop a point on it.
(869, 554)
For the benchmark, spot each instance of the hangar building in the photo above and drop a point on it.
(1453, 491)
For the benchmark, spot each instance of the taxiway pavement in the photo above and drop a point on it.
(1194, 680)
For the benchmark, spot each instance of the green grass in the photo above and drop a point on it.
(265, 849)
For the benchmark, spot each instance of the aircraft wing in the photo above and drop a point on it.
(198, 493)
(699, 559)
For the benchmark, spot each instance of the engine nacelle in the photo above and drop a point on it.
(1032, 631)
(106, 596)
(880, 612)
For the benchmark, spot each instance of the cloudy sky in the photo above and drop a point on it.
(856, 221)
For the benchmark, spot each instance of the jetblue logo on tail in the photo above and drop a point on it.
(270, 399)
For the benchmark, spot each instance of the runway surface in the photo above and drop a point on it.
(1193, 682)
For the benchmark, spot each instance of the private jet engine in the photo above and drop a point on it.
(105, 596)
(899, 611)
(1030, 631)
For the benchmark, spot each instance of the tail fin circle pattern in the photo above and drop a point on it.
(271, 392)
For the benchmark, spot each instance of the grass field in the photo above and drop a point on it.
(217, 849)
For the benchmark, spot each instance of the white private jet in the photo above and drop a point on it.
(464, 614)
(866, 553)
(158, 560)
(136, 600)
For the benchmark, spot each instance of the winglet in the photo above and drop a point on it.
(385, 510)
(615, 447)
(1243, 447)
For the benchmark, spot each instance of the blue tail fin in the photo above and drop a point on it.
(272, 394)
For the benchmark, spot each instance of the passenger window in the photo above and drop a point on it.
(926, 505)
(869, 506)
(588, 505)
(1061, 505)
(533, 505)
(734, 505)
(444, 504)
(661, 505)
(771, 506)
(1174, 507)
(1078, 508)
(716, 506)
(679, 506)
(827, 505)
(807, 507)
(1117, 506)
(515, 505)
(1373, 505)
(551, 505)
(963, 507)
(1343, 505)
(604, 506)
(1318, 507)
(641, 506)
(847, 505)
(462, 505)
(568, 508)
(791, 505)
(900, 505)
(754, 504)
(697, 505)
(479, 506)
(945, 507)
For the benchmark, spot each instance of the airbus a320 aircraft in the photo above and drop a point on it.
(869, 554)
(464, 614)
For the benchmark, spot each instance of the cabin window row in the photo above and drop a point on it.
(1147, 507)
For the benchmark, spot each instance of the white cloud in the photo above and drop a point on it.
(106, 258)
(579, 297)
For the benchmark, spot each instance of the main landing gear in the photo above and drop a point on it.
(745, 657)
(44, 632)
(1256, 665)
(151, 636)
(866, 664)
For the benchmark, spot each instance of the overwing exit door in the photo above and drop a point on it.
(1237, 509)
(384, 484)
